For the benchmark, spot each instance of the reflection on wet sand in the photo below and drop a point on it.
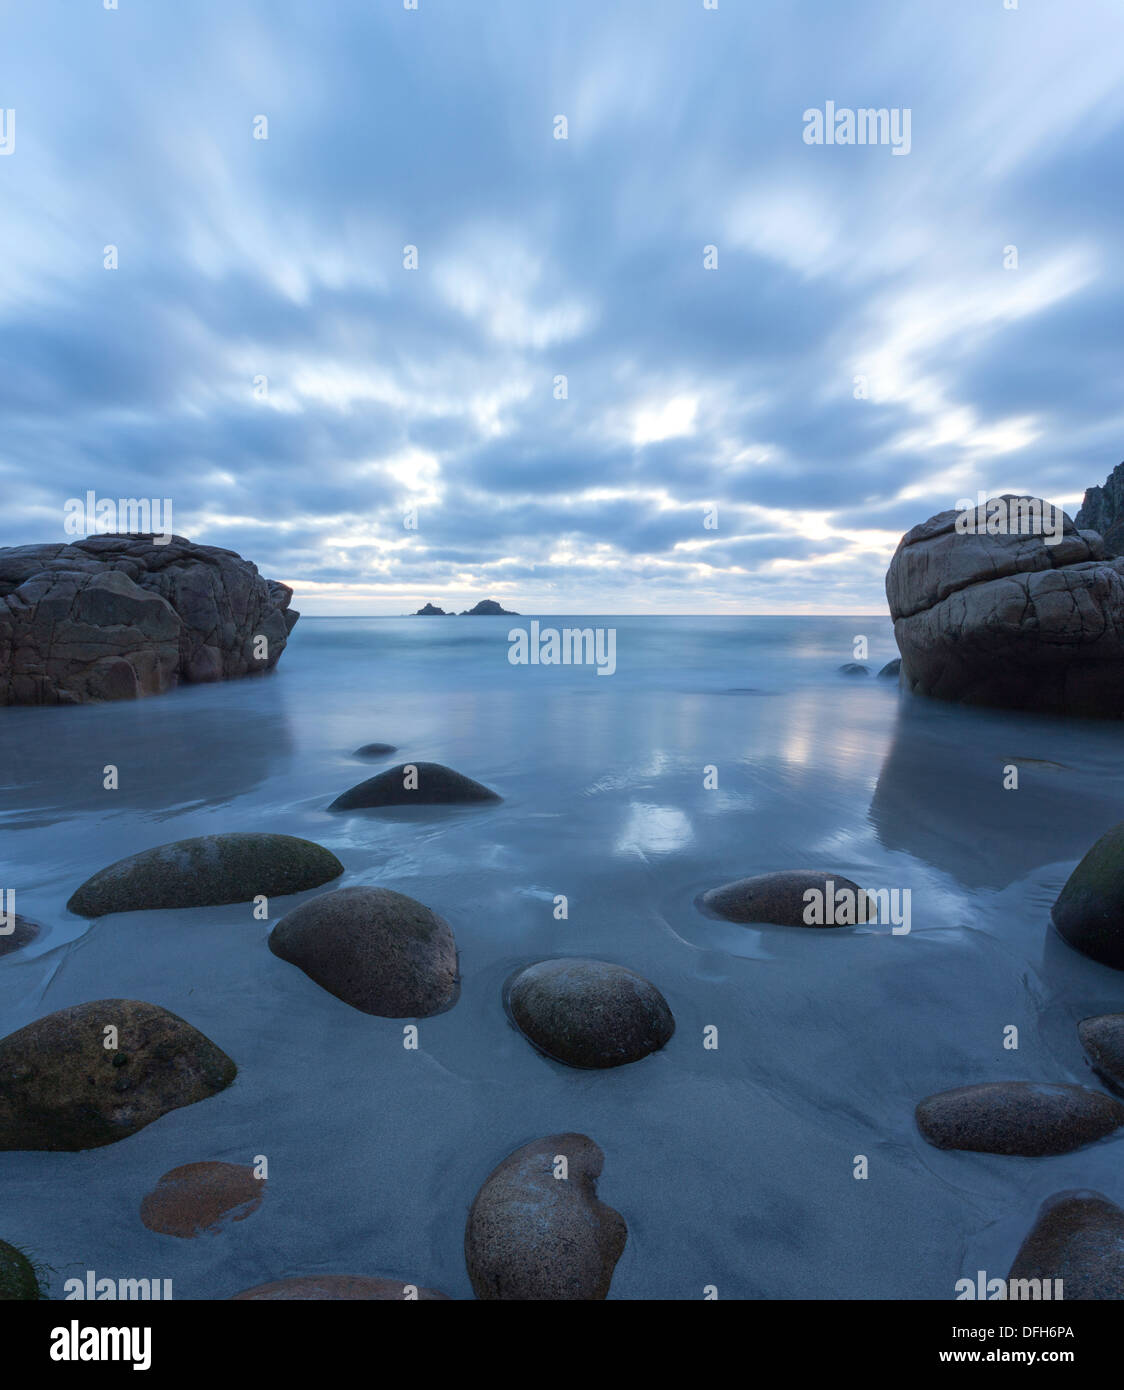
(946, 794)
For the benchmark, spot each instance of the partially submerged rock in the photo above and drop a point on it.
(17, 933)
(414, 784)
(589, 1013)
(1030, 617)
(207, 872)
(62, 1087)
(374, 750)
(339, 1287)
(1103, 1040)
(854, 668)
(19, 1279)
(783, 899)
(533, 1234)
(115, 617)
(1018, 1117)
(1078, 1238)
(379, 951)
(200, 1198)
(891, 670)
(1089, 912)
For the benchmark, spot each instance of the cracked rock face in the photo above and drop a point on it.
(1102, 510)
(1014, 620)
(117, 617)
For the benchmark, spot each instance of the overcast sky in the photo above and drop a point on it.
(379, 389)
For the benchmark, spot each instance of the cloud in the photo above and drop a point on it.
(561, 388)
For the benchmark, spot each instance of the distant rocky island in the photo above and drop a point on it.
(486, 608)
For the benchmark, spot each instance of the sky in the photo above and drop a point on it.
(777, 355)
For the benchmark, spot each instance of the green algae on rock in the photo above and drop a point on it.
(19, 1276)
(95, 1073)
(207, 871)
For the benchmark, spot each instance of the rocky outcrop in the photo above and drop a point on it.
(90, 1075)
(488, 608)
(207, 871)
(1010, 605)
(589, 1013)
(118, 617)
(537, 1229)
(1102, 510)
(430, 611)
(379, 951)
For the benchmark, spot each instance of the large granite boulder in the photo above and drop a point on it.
(1010, 604)
(119, 616)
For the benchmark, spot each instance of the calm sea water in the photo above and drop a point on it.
(733, 1167)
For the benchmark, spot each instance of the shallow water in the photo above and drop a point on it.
(733, 1167)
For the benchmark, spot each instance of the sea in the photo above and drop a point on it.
(770, 1149)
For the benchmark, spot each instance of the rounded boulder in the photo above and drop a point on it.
(61, 1087)
(537, 1230)
(379, 951)
(207, 871)
(589, 1013)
